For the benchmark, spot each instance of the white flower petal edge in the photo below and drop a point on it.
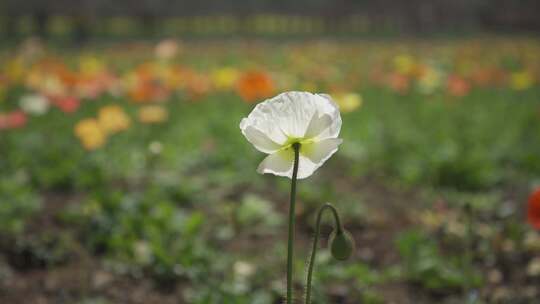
(321, 151)
(279, 163)
(260, 140)
(312, 156)
(313, 120)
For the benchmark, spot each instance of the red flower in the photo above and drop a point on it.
(533, 210)
(17, 119)
(13, 120)
(68, 104)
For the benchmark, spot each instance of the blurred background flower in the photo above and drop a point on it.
(113, 119)
(152, 114)
(348, 102)
(533, 209)
(253, 86)
(90, 133)
(34, 104)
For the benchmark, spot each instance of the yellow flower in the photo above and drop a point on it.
(34, 78)
(430, 80)
(225, 78)
(52, 86)
(14, 69)
(404, 64)
(153, 114)
(113, 119)
(521, 80)
(90, 133)
(91, 66)
(348, 102)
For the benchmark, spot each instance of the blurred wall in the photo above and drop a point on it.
(410, 16)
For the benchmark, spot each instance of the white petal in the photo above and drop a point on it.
(319, 152)
(312, 156)
(262, 120)
(306, 168)
(295, 114)
(259, 140)
(318, 125)
(330, 108)
(279, 163)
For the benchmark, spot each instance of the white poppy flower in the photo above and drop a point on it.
(34, 104)
(312, 120)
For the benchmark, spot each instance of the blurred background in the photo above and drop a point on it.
(158, 18)
(124, 177)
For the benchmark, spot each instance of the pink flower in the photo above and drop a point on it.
(13, 120)
(68, 104)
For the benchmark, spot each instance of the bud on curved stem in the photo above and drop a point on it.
(341, 244)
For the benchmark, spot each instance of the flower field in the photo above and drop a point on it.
(124, 177)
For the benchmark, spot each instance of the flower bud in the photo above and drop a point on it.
(341, 244)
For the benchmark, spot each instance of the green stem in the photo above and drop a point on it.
(290, 246)
(468, 254)
(316, 241)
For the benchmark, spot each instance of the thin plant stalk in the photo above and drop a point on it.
(311, 262)
(469, 288)
(290, 245)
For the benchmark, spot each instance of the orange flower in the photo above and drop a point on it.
(90, 133)
(146, 83)
(399, 83)
(141, 93)
(457, 86)
(153, 114)
(197, 86)
(482, 77)
(533, 210)
(113, 119)
(255, 85)
(148, 91)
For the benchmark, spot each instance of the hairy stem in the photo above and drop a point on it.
(311, 262)
(290, 245)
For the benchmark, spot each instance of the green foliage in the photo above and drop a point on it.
(424, 264)
(257, 214)
(40, 250)
(17, 204)
(146, 231)
(450, 143)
